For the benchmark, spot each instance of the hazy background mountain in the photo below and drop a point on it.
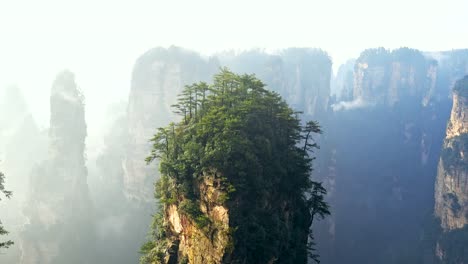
(73, 142)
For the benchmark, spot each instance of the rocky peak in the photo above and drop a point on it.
(67, 130)
(452, 179)
(65, 88)
(59, 208)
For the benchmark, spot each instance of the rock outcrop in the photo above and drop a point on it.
(451, 189)
(191, 239)
(59, 211)
(458, 124)
(388, 77)
(158, 77)
(452, 179)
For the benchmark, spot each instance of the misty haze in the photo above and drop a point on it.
(176, 132)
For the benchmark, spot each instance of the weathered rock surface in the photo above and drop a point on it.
(388, 77)
(452, 178)
(201, 245)
(59, 212)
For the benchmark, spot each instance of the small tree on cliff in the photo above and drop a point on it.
(7, 194)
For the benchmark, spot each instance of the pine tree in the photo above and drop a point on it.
(7, 194)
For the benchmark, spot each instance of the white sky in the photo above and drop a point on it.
(99, 40)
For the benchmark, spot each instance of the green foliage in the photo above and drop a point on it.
(152, 252)
(225, 196)
(147, 247)
(192, 209)
(184, 260)
(3, 191)
(255, 147)
(7, 194)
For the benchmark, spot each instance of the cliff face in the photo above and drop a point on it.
(201, 244)
(458, 124)
(300, 75)
(189, 242)
(397, 117)
(158, 76)
(306, 85)
(452, 178)
(387, 77)
(59, 229)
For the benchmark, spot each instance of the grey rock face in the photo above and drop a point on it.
(388, 77)
(59, 211)
(300, 75)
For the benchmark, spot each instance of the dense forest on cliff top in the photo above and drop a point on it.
(257, 151)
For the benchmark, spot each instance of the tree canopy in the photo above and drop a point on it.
(261, 153)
